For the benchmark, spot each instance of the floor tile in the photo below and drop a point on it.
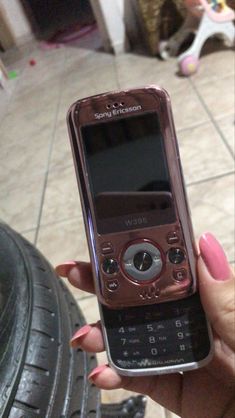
(61, 200)
(29, 235)
(20, 207)
(227, 127)
(31, 114)
(219, 96)
(187, 109)
(63, 241)
(88, 78)
(49, 65)
(214, 66)
(212, 206)
(61, 155)
(136, 71)
(22, 161)
(195, 147)
(90, 310)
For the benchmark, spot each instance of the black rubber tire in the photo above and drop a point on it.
(40, 375)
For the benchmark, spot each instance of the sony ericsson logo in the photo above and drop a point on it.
(117, 112)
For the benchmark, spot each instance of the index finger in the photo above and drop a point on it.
(79, 274)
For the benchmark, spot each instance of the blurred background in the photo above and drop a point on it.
(55, 52)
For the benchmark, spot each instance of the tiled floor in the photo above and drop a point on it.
(38, 191)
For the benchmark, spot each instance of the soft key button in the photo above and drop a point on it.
(172, 237)
(106, 248)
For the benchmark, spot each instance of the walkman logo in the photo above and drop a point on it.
(117, 112)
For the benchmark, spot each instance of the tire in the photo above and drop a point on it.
(40, 375)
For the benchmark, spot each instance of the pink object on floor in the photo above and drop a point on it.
(189, 65)
(45, 46)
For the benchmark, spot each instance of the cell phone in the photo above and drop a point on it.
(139, 231)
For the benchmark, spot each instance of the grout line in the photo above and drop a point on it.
(212, 118)
(59, 221)
(49, 156)
(25, 231)
(196, 125)
(219, 176)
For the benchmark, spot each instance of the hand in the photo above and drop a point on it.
(204, 393)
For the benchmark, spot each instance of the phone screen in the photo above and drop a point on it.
(128, 173)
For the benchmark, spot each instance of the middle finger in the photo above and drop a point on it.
(89, 338)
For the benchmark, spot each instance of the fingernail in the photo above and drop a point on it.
(214, 257)
(80, 333)
(97, 371)
(64, 268)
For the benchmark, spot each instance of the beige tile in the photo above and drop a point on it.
(214, 66)
(137, 70)
(95, 75)
(90, 309)
(169, 414)
(23, 161)
(61, 200)
(219, 96)
(26, 133)
(195, 147)
(212, 205)
(49, 67)
(227, 127)
(61, 154)
(29, 235)
(187, 108)
(63, 241)
(20, 207)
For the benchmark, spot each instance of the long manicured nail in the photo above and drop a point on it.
(64, 268)
(97, 371)
(214, 257)
(74, 342)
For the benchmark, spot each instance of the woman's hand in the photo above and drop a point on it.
(204, 393)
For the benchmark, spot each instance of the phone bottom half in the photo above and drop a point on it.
(155, 339)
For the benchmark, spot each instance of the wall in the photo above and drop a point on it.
(110, 20)
(16, 20)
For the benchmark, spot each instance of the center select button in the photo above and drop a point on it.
(142, 261)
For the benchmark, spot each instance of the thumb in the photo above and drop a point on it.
(217, 288)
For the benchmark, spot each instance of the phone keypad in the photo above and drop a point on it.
(158, 335)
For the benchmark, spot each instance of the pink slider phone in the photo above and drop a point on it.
(139, 231)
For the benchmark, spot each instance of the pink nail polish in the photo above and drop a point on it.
(64, 268)
(214, 257)
(97, 371)
(80, 333)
